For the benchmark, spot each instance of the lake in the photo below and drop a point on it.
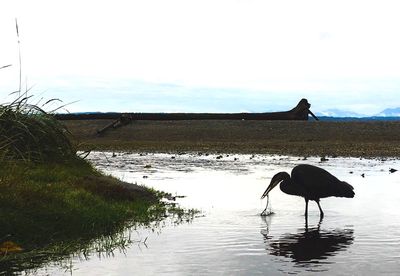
(358, 236)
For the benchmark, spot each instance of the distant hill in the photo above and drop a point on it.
(389, 112)
(339, 113)
(349, 119)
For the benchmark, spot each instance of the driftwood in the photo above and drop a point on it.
(300, 112)
(123, 120)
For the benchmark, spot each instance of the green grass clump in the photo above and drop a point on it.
(29, 133)
(52, 210)
(53, 203)
(45, 203)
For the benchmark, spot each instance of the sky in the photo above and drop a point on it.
(204, 55)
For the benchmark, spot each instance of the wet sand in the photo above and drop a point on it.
(302, 138)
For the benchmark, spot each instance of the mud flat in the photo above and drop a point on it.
(303, 138)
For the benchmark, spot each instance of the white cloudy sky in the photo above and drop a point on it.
(205, 55)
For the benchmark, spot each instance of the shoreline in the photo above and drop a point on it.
(222, 155)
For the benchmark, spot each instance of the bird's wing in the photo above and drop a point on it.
(320, 183)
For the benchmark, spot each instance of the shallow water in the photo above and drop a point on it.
(359, 236)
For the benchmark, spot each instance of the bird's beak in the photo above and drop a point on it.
(272, 185)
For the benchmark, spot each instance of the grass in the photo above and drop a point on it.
(28, 133)
(59, 200)
(57, 209)
(54, 210)
(53, 203)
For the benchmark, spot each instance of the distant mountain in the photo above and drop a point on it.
(389, 112)
(338, 113)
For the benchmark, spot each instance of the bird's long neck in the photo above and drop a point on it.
(287, 186)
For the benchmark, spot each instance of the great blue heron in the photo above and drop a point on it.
(312, 183)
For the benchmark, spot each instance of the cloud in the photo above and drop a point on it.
(205, 55)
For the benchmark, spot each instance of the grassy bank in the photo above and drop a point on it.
(303, 138)
(53, 203)
(60, 208)
(45, 203)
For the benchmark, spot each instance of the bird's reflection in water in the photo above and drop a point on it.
(310, 246)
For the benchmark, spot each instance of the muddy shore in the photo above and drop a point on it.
(303, 138)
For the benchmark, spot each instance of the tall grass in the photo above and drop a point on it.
(28, 133)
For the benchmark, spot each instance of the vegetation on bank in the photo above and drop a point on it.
(28, 133)
(44, 203)
(53, 203)
(52, 210)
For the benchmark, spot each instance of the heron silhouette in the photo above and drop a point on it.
(312, 183)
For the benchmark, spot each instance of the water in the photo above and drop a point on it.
(358, 236)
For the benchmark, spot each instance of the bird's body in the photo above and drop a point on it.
(311, 183)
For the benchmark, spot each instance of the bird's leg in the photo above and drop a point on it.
(319, 223)
(321, 214)
(306, 212)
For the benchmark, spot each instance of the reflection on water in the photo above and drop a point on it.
(308, 246)
(358, 236)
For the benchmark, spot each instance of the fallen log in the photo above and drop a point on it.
(299, 112)
(121, 121)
